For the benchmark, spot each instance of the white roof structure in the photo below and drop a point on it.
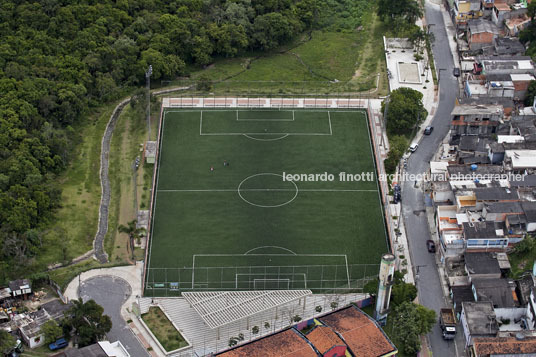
(522, 158)
(510, 139)
(219, 308)
(115, 349)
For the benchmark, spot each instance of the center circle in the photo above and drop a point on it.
(267, 190)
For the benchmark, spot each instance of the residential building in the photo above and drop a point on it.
(478, 319)
(481, 33)
(508, 46)
(20, 287)
(482, 265)
(465, 10)
(511, 346)
(500, 292)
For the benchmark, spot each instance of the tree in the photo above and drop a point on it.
(132, 231)
(403, 292)
(397, 147)
(87, 322)
(531, 91)
(52, 331)
(255, 330)
(406, 10)
(412, 321)
(404, 111)
(7, 342)
(371, 287)
(204, 83)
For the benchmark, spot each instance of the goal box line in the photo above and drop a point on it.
(262, 120)
(292, 264)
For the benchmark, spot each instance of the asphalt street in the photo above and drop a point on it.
(111, 292)
(413, 209)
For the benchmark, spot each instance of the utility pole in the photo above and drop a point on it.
(148, 110)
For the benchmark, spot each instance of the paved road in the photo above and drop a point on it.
(428, 283)
(111, 292)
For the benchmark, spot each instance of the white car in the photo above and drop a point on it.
(413, 147)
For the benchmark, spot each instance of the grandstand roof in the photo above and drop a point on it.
(220, 308)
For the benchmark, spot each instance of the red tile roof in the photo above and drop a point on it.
(486, 346)
(360, 332)
(323, 338)
(287, 343)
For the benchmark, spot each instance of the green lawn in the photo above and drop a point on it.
(309, 67)
(242, 226)
(163, 329)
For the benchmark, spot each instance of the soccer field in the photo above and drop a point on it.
(227, 215)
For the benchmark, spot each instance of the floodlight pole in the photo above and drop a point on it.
(148, 109)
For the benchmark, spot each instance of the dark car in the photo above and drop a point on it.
(430, 245)
(428, 130)
(58, 344)
(456, 72)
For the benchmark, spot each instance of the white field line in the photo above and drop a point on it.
(329, 119)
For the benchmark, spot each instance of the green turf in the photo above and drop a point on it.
(316, 235)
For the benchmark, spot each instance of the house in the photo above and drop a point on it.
(496, 89)
(508, 46)
(496, 153)
(495, 194)
(485, 65)
(499, 210)
(449, 231)
(521, 83)
(531, 310)
(478, 319)
(529, 210)
(150, 152)
(465, 10)
(5, 293)
(524, 286)
(515, 25)
(485, 236)
(518, 345)
(99, 349)
(475, 119)
(480, 265)
(20, 287)
(500, 12)
(500, 292)
(460, 294)
(520, 161)
(30, 327)
(481, 33)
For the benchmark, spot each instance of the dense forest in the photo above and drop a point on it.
(60, 58)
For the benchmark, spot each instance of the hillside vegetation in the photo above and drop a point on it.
(60, 60)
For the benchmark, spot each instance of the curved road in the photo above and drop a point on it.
(111, 293)
(414, 211)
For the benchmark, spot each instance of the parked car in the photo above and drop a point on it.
(428, 130)
(61, 343)
(431, 246)
(413, 147)
(456, 72)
